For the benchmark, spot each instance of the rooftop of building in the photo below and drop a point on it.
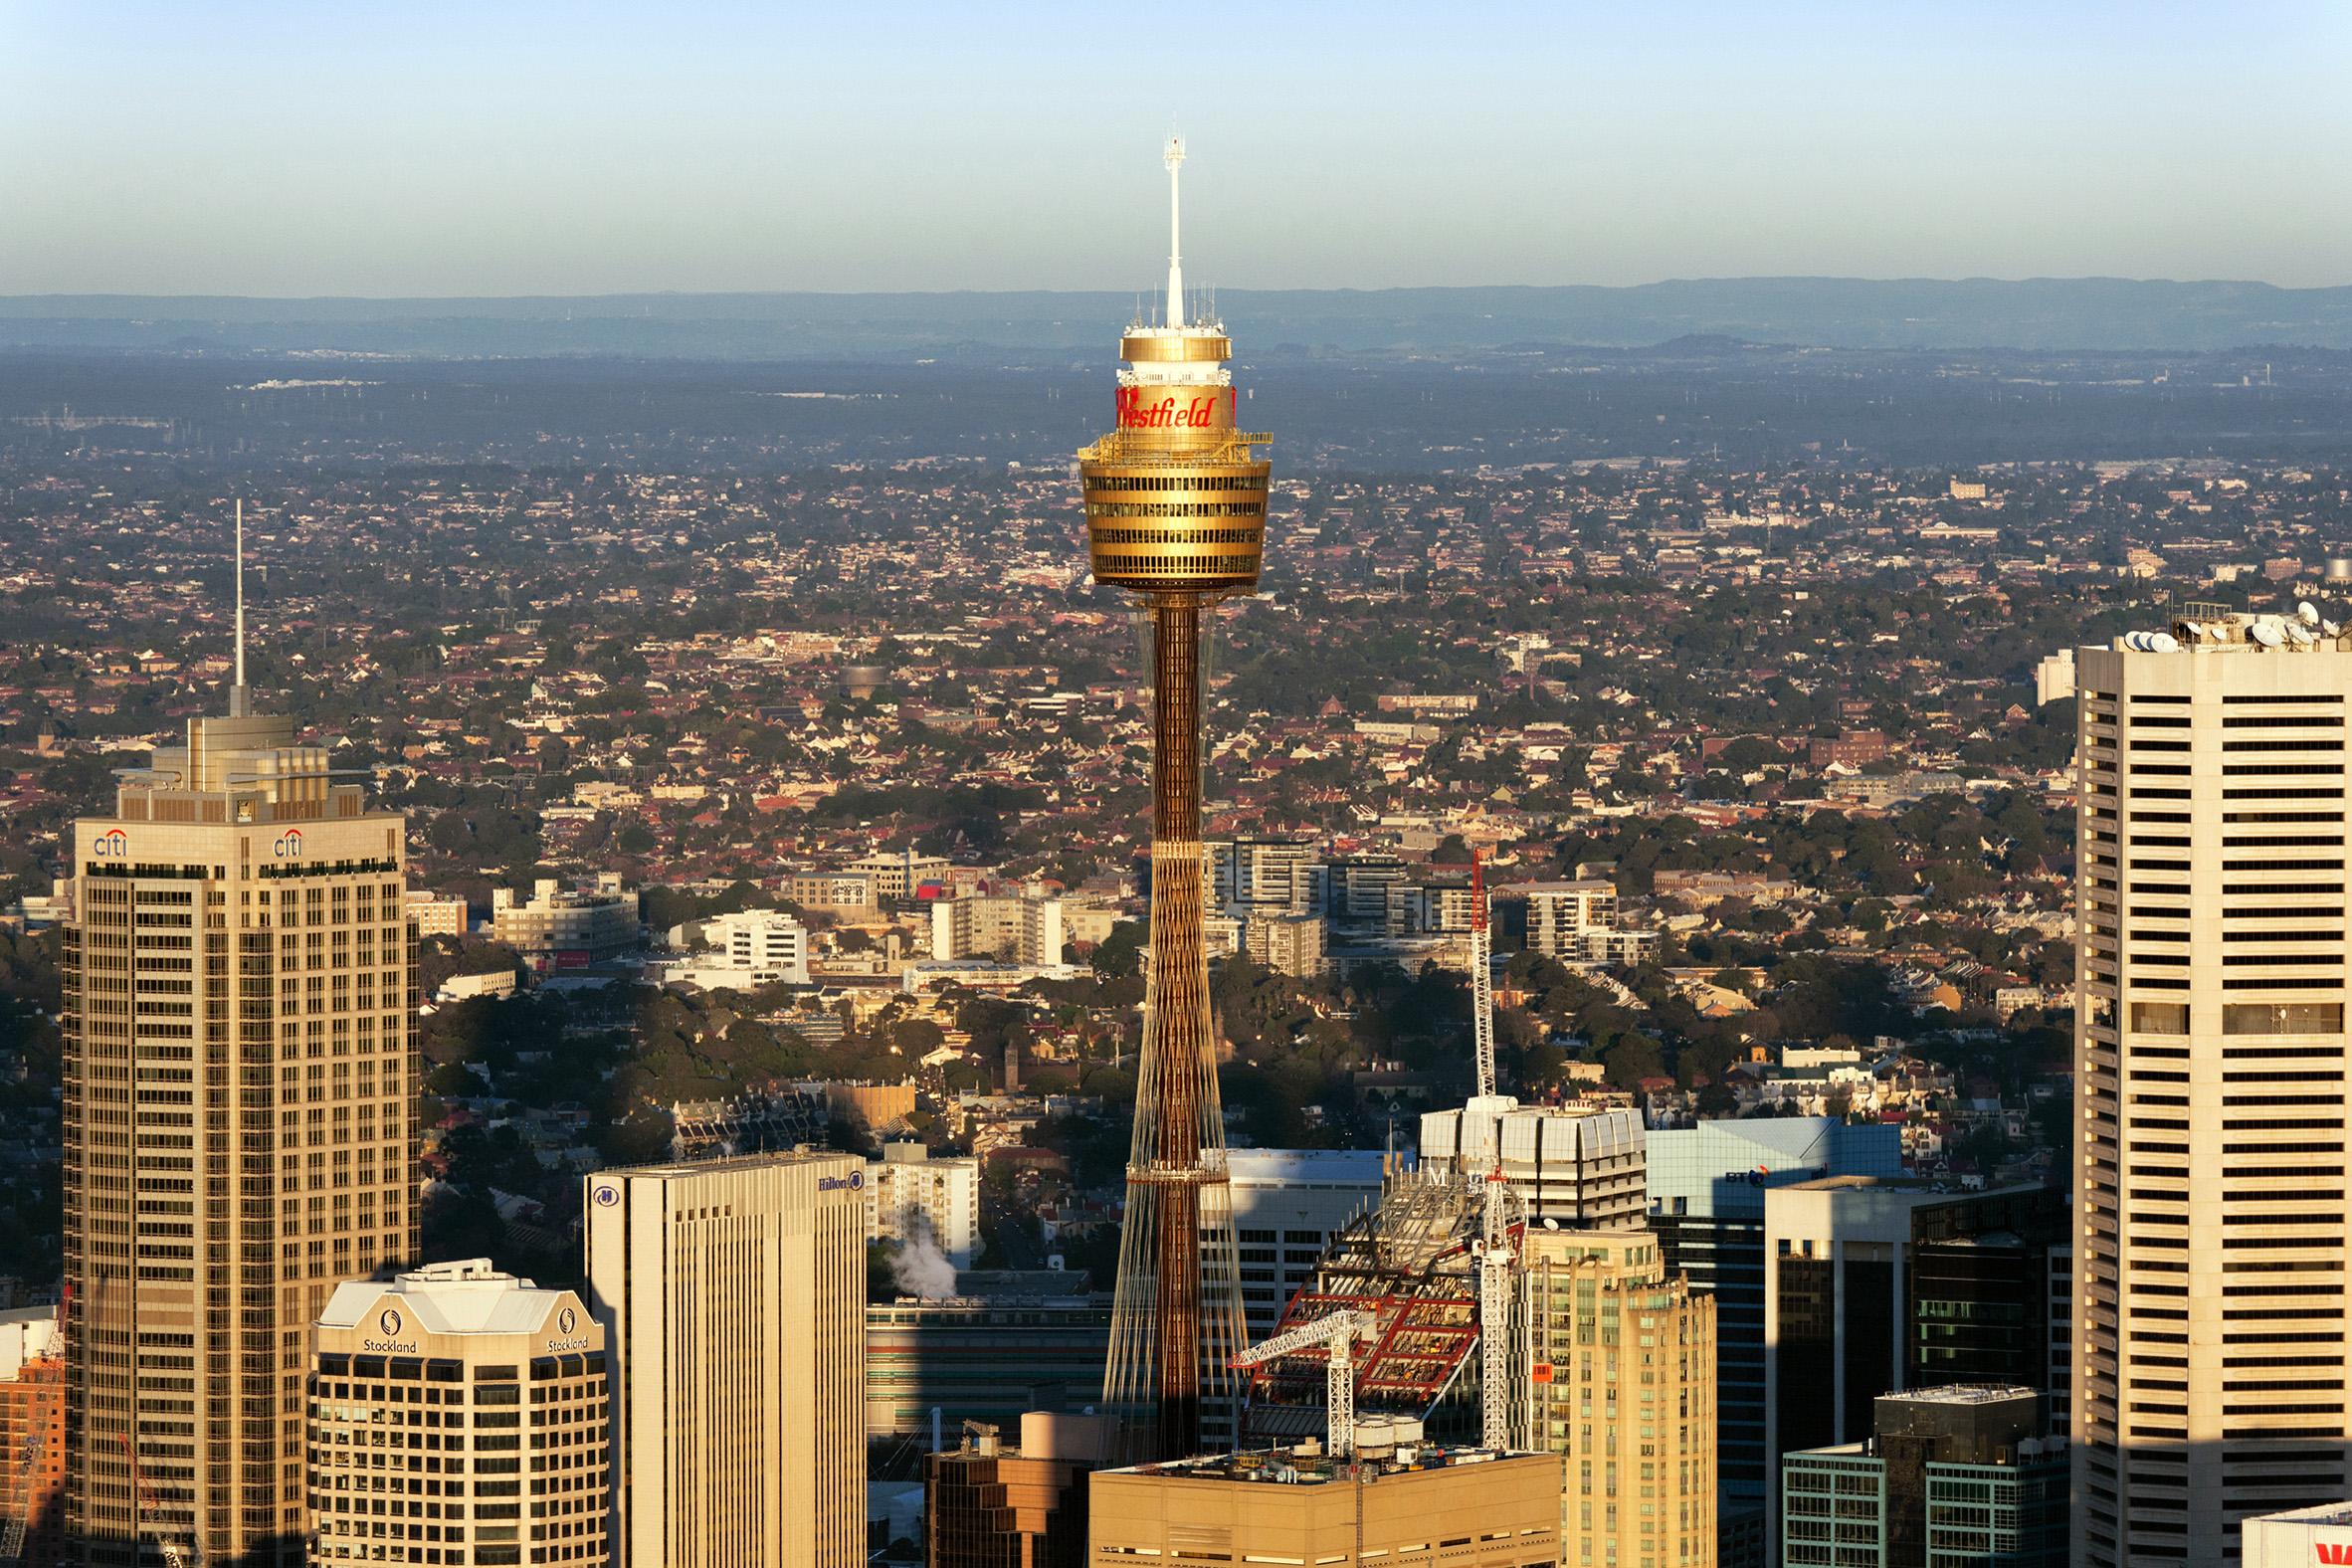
(1308, 1465)
(2317, 1513)
(1963, 1394)
(800, 1154)
(468, 1297)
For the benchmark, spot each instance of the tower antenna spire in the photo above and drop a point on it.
(1175, 158)
(239, 702)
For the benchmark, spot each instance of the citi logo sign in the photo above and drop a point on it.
(288, 846)
(111, 844)
(2334, 1552)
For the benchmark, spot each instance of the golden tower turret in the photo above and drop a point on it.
(1176, 514)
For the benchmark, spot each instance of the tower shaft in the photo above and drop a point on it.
(1175, 500)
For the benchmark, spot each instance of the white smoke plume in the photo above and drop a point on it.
(921, 1268)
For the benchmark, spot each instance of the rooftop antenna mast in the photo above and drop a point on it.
(240, 700)
(1175, 158)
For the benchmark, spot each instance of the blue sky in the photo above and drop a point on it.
(253, 147)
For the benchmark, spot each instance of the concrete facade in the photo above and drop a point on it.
(2208, 1064)
(732, 1295)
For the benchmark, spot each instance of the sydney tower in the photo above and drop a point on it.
(1176, 515)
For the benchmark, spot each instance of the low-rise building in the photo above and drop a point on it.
(1290, 944)
(990, 1505)
(436, 915)
(572, 925)
(1950, 1477)
(1415, 1506)
(746, 950)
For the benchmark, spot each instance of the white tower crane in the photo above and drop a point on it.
(1482, 980)
(1338, 1332)
(1494, 1319)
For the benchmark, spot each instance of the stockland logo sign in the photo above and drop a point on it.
(289, 845)
(113, 844)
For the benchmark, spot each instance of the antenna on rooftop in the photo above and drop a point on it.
(1174, 158)
(239, 702)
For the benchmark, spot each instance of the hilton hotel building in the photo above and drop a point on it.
(2210, 1179)
(240, 983)
(732, 1297)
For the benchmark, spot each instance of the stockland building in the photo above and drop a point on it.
(240, 983)
(459, 1415)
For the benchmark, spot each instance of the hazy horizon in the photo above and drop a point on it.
(263, 150)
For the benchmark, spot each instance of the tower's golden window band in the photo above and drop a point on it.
(1212, 508)
(1178, 565)
(1189, 482)
(1105, 536)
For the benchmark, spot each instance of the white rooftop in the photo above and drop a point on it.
(469, 1296)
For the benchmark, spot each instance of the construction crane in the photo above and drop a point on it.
(1482, 979)
(1494, 1311)
(20, 1513)
(152, 1517)
(1494, 1253)
(1339, 1333)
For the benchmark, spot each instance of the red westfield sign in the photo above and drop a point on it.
(1197, 412)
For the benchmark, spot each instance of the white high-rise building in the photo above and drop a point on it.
(1577, 1166)
(2209, 1231)
(1016, 930)
(909, 1196)
(732, 1295)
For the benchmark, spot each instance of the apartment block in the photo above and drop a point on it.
(912, 1197)
(1560, 913)
(1017, 930)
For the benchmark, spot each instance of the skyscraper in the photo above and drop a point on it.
(1175, 502)
(2209, 1229)
(239, 986)
(732, 1295)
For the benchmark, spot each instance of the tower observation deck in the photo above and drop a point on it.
(1175, 502)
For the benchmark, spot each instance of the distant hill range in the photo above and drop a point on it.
(2041, 314)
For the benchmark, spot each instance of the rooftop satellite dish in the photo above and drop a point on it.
(2307, 612)
(2330, 628)
(2162, 643)
(2268, 634)
(2301, 638)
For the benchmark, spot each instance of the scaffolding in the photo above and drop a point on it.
(1415, 1267)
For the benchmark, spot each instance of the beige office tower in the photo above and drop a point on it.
(733, 1299)
(458, 1417)
(1622, 1385)
(2208, 1238)
(240, 981)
